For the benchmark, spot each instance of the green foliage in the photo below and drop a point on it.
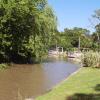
(96, 35)
(3, 66)
(86, 42)
(25, 29)
(91, 59)
(70, 38)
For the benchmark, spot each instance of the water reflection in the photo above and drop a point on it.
(25, 81)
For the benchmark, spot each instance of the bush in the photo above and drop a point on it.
(3, 66)
(91, 59)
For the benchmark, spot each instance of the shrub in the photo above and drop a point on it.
(91, 59)
(3, 66)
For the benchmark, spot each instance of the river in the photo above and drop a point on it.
(29, 81)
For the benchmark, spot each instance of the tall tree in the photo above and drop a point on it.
(97, 27)
(25, 28)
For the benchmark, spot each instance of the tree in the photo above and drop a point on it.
(97, 27)
(26, 27)
(78, 37)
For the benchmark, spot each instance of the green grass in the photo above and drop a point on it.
(85, 85)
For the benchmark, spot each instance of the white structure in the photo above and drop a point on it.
(57, 52)
(29, 99)
(75, 54)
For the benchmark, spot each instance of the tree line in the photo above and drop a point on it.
(28, 29)
(79, 38)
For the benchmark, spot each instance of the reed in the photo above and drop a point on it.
(91, 59)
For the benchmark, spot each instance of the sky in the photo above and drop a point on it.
(74, 13)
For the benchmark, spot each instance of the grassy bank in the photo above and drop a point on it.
(85, 85)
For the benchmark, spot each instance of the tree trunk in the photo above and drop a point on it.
(79, 43)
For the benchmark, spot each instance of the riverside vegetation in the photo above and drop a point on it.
(91, 59)
(84, 85)
(28, 29)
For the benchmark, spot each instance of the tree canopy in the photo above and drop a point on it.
(25, 29)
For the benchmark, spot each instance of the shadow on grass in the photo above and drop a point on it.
(82, 96)
(79, 96)
(97, 88)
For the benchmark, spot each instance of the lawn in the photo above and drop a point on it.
(85, 85)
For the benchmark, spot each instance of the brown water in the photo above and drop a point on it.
(29, 81)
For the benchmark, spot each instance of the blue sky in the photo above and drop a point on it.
(74, 13)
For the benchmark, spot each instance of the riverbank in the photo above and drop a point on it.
(85, 85)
